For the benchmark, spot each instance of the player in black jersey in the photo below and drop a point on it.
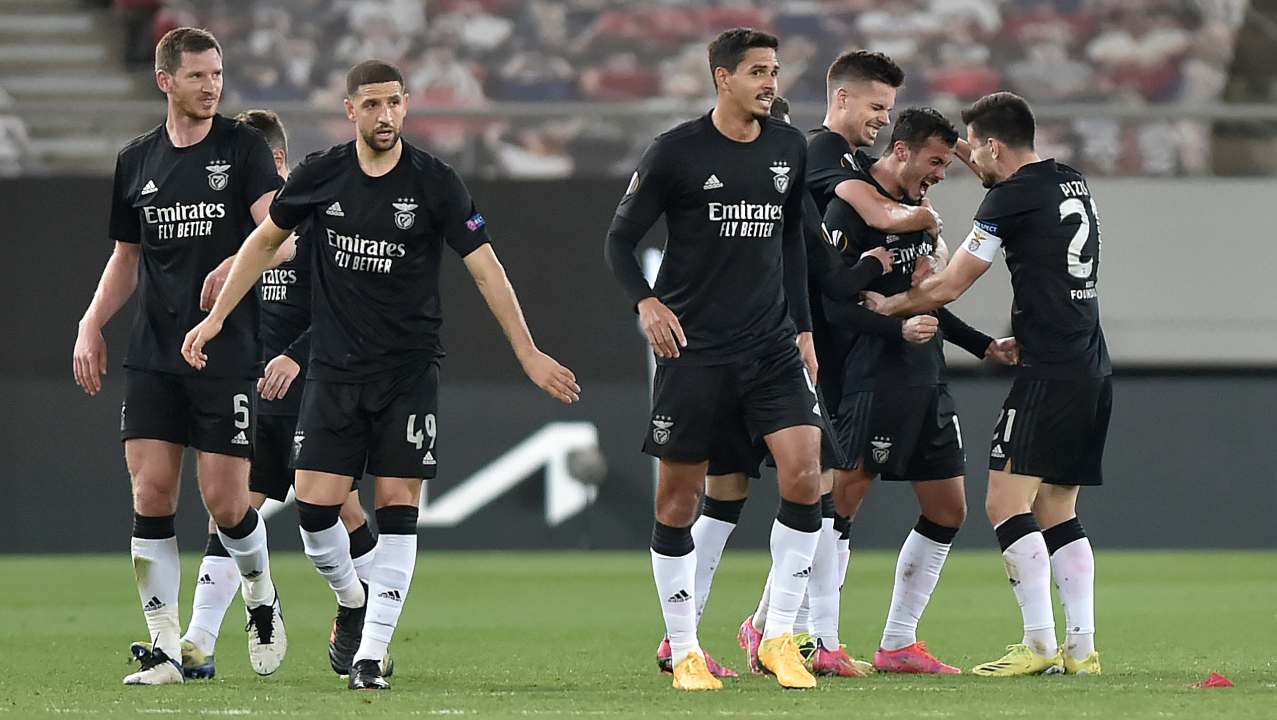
(381, 211)
(185, 195)
(896, 416)
(1049, 438)
(740, 458)
(731, 187)
(284, 294)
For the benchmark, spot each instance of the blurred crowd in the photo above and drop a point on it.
(486, 55)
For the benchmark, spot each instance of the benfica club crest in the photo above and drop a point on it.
(780, 176)
(217, 177)
(661, 429)
(881, 449)
(404, 217)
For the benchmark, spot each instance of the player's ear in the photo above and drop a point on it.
(350, 109)
(163, 80)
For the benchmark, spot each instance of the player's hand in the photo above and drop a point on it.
(924, 268)
(936, 226)
(278, 377)
(807, 348)
(883, 255)
(661, 327)
(919, 329)
(88, 360)
(193, 344)
(1004, 351)
(557, 381)
(213, 284)
(873, 301)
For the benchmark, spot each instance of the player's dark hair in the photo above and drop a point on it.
(269, 124)
(168, 51)
(370, 72)
(917, 125)
(729, 48)
(864, 66)
(1002, 115)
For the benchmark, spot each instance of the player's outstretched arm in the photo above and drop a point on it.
(886, 215)
(939, 289)
(251, 261)
(555, 379)
(119, 280)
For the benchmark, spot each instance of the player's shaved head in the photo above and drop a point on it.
(168, 51)
(371, 72)
(269, 124)
(729, 48)
(1004, 116)
(916, 126)
(864, 66)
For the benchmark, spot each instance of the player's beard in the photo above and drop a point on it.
(372, 141)
(196, 109)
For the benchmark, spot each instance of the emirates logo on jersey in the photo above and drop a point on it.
(217, 177)
(780, 175)
(404, 217)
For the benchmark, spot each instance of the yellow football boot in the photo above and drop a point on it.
(781, 656)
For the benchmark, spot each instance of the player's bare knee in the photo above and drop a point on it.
(352, 513)
(801, 485)
(394, 491)
(727, 487)
(154, 497)
(677, 505)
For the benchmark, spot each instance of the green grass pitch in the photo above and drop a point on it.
(573, 634)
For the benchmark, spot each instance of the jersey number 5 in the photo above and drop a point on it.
(1078, 268)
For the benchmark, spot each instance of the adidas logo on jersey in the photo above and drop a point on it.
(996, 452)
(804, 573)
(391, 595)
(335, 210)
(678, 597)
(240, 438)
(149, 188)
(713, 183)
(205, 579)
(153, 604)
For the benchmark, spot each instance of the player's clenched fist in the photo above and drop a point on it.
(556, 380)
(661, 327)
(193, 344)
(920, 328)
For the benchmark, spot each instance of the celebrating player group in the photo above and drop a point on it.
(288, 330)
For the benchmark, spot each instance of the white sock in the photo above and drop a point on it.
(253, 561)
(676, 586)
(844, 561)
(157, 569)
(1029, 570)
(387, 593)
(917, 571)
(760, 614)
(802, 620)
(1074, 569)
(364, 565)
(709, 535)
(218, 582)
(822, 590)
(329, 549)
(792, 551)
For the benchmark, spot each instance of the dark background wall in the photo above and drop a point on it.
(1190, 459)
